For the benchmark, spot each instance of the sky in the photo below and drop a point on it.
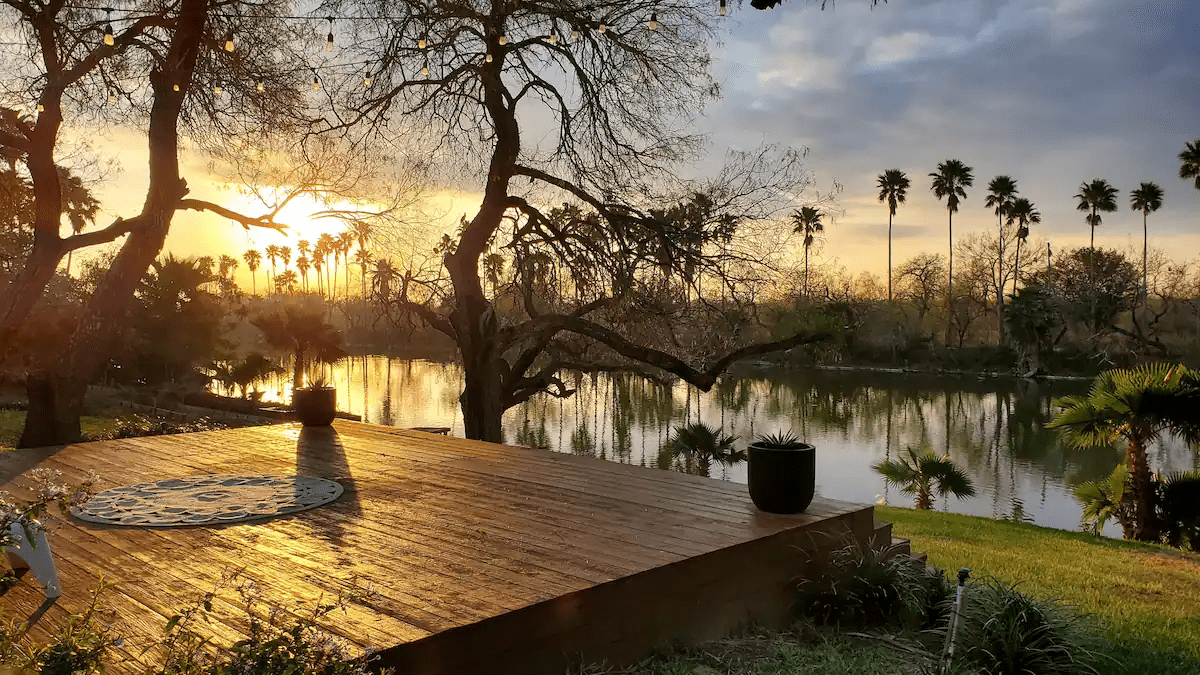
(1050, 92)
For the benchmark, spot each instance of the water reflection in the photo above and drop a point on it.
(993, 428)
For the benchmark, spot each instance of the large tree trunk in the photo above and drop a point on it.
(56, 397)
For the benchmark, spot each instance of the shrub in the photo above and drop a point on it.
(860, 586)
(135, 426)
(1005, 632)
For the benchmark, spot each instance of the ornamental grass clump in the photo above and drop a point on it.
(859, 586)
(1005, 632)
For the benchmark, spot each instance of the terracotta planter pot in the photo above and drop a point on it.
(315, 407)
(782, 481)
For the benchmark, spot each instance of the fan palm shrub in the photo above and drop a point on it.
(701, 446)
(1137, 405)
(925, 475)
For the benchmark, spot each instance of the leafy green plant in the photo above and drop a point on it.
(1179, 508)
(699, 446)
(1005, 632)
(784, 440)
(860, 586)
(926, 474)
(1105, 499)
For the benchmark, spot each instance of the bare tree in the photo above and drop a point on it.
(610, 101)
(161, 69)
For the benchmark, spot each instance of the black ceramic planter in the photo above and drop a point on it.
(315, 407)
(782, 481)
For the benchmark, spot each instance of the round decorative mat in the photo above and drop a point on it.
(205, 500)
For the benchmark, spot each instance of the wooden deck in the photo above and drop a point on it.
(482, 558)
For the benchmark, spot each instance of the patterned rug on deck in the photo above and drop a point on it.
(207, 500)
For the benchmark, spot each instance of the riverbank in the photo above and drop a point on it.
(1145, 598)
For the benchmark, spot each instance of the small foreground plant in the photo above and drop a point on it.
(925, 474)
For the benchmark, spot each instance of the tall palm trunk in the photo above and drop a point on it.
(806, 272)
(1145, 258)
(1017, 266)
(1092, 271)
(889, 255)
(1000, 284)
(950, 282)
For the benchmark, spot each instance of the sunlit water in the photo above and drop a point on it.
(994, 428)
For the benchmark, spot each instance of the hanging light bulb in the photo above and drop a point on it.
(425, 70)
(112, 98)
(721, 11)
(174, 87)
(229, 42)
(217, 89)
(503, 39)
(421, 44)
(329, 39)
(574, 34)
(109, 38)
(316, 82)
(488, 58)
(553, 37)
(366, 78)
(259, 86)
(602, 27)
(41, 108)
(653, 24)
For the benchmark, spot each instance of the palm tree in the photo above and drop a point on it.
(302, 264)
(305, 333)
(252, 258)
(1001, 192)
(302, 247)
(923, 475)
(1093, 198)
(1023, 213)
(703, 445)
(1189, 161)
(328, 247)
(272, 252)
(362, 257)
(1137, 405)
(950, 181)
(807, 221)
(285, 254)
(79, 204)
(318, 264)
(893, 188)
(226, 264)
(286, 281)
(346, 242)
(1148, 198)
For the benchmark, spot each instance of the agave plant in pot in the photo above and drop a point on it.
(782, 473)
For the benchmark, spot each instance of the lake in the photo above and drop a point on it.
(994, 427)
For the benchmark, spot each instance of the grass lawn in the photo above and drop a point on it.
(1148, 597)
(11, 422)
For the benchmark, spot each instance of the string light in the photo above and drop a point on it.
(41, 108)
(217, 89)
(488, 58)
(316, 83)
(421, 43)
(229, 42)
(366, 78)
(553, 37)
(329, 39)
(425, 69)
(174, 87)
(574, 34)
(259, 86)
(109, 39)
(112, 98)
(653, 24)
(721, 12)
(503, 39)
(602, 28)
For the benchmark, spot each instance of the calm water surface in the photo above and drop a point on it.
(994, 428)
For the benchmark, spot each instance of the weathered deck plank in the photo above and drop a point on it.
(481, 556)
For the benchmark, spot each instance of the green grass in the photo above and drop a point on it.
(1148, 597)
(11, 422)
